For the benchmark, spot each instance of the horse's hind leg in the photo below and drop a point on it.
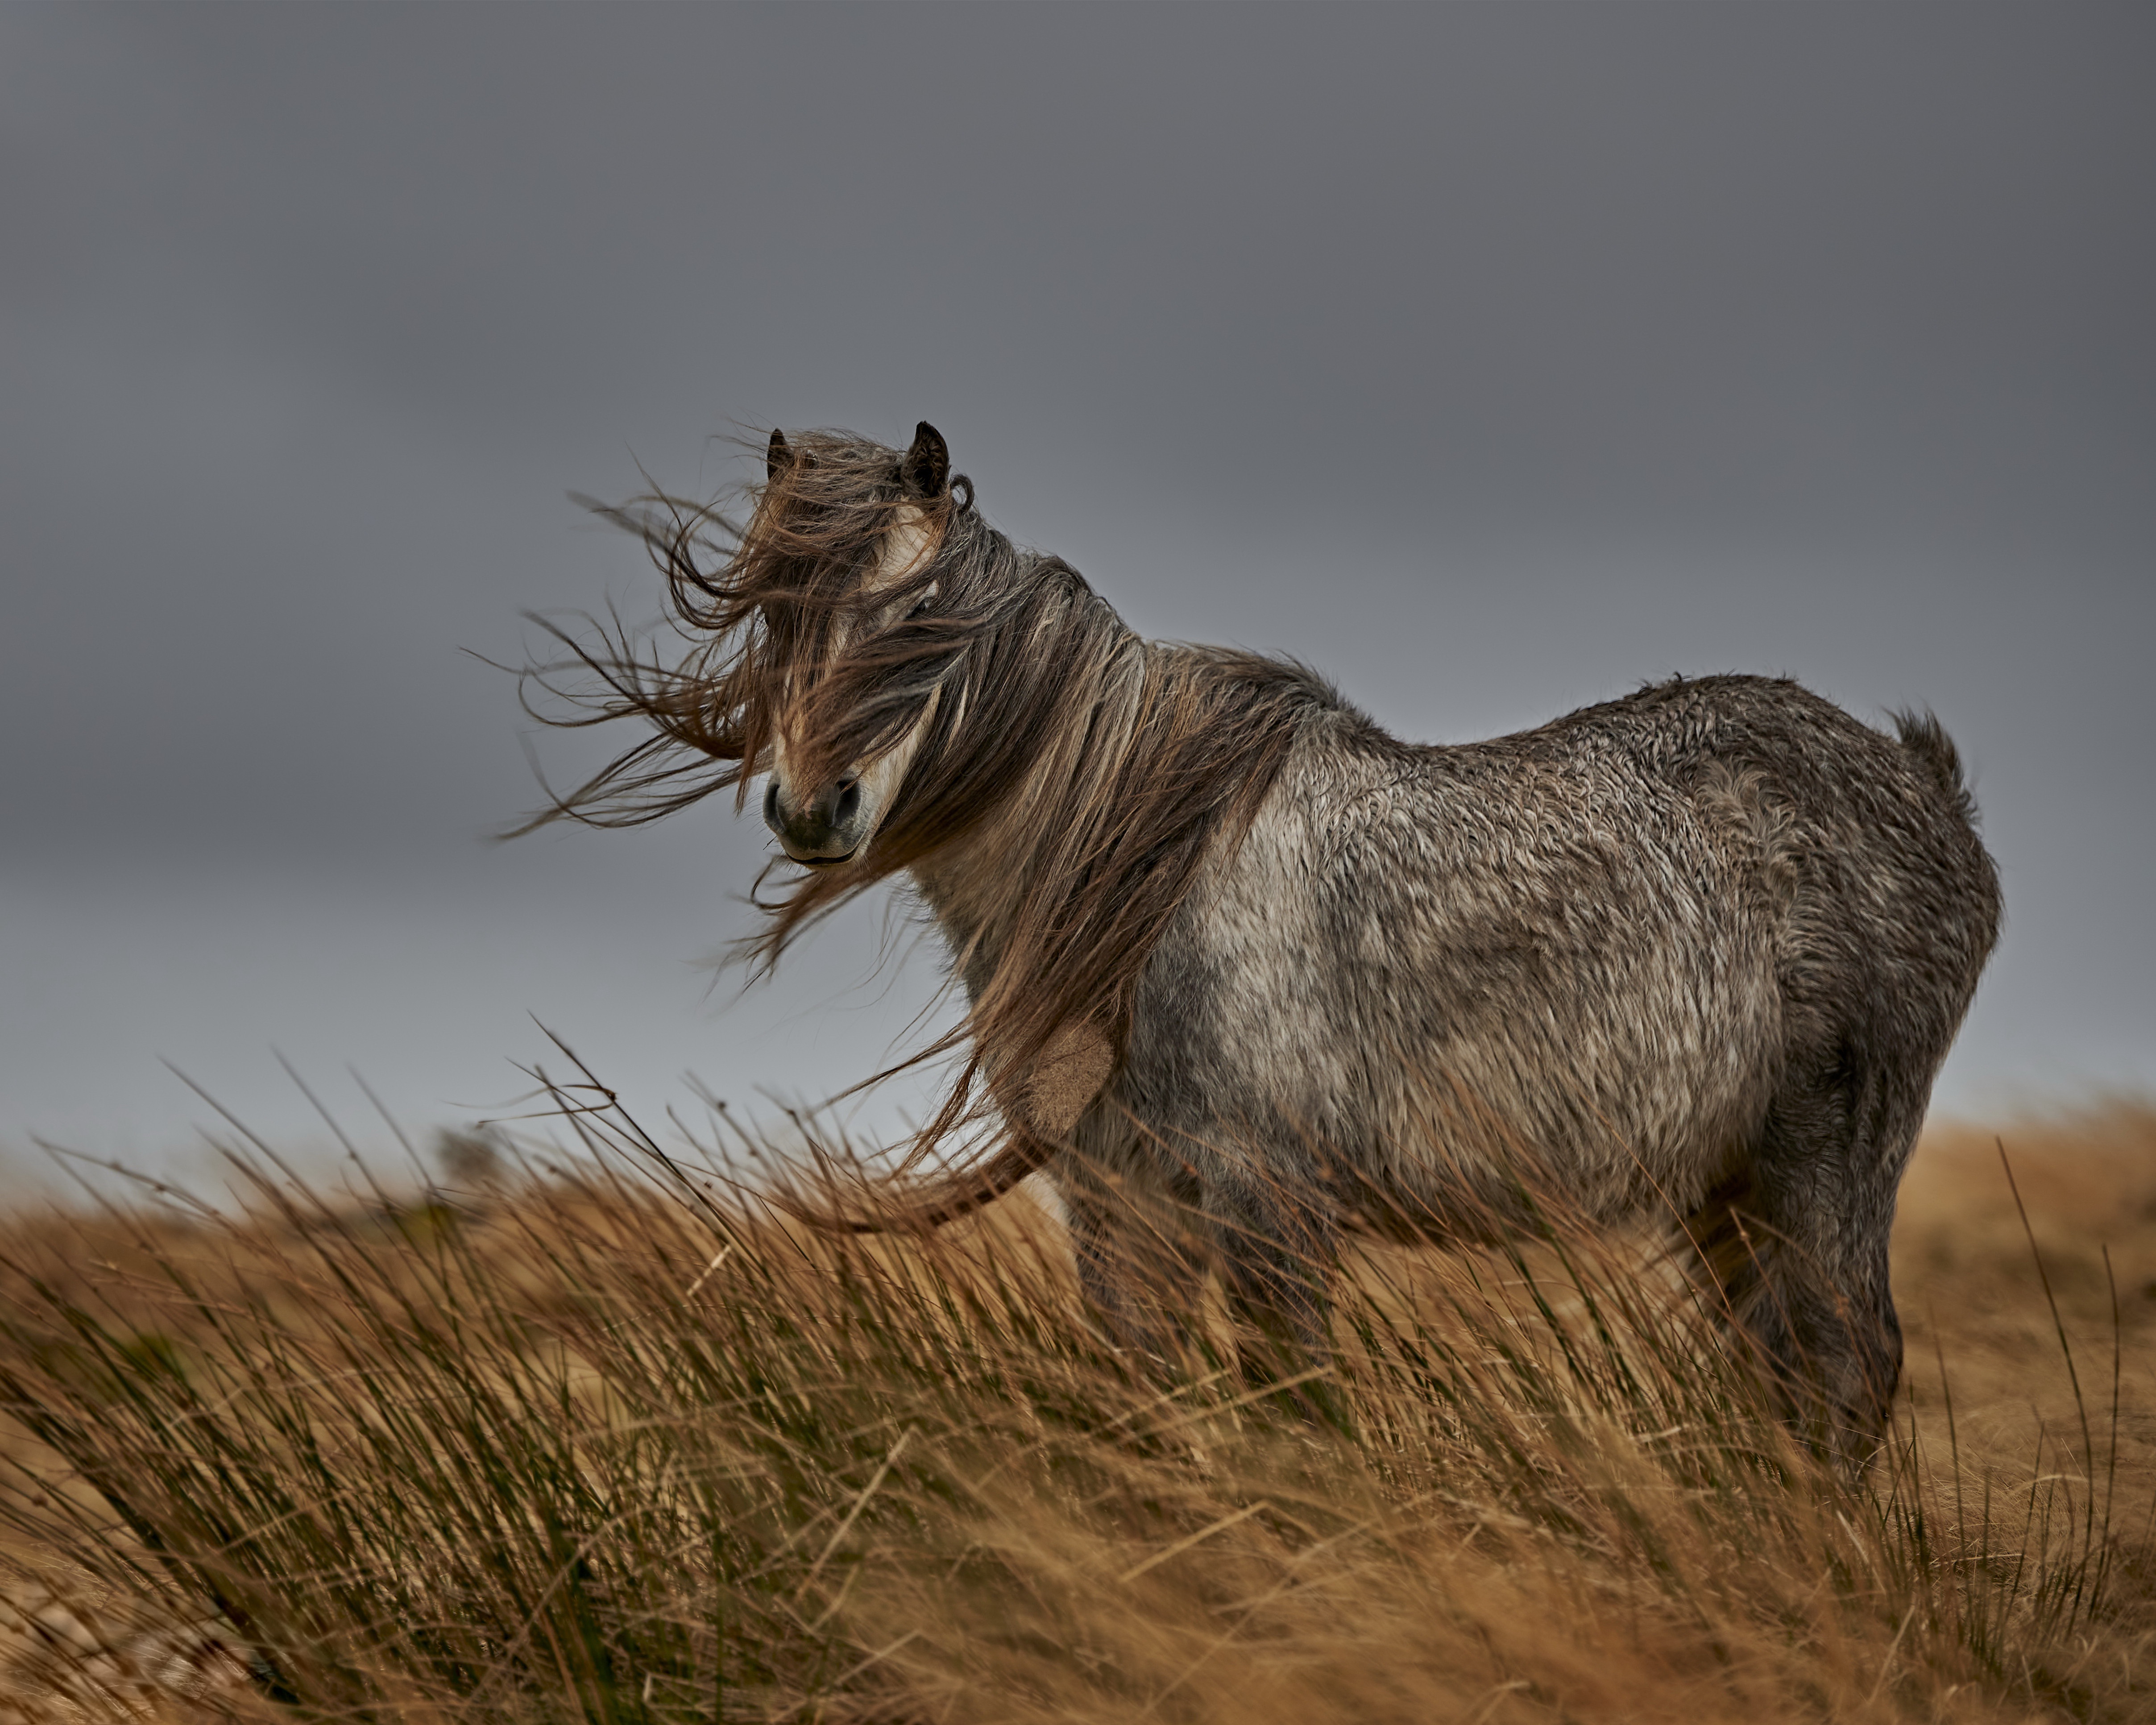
(1799, 1250)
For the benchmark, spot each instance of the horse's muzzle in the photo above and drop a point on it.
(826, 829)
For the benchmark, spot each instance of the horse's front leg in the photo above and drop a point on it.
(1277, 1243)
(1140, 1259)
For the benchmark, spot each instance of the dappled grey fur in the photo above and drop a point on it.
(1244, 972)
(1697, 953)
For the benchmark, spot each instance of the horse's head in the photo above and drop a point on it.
(853, 650)
(926, 695)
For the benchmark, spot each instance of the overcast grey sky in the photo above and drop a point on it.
(1493, 358)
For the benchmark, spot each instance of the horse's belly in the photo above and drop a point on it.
(1626, 1077)
(1613, 1031)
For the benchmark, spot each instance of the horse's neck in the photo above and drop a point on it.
(975, 886)
(968, 888)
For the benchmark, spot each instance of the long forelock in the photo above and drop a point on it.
(802, 580)
(860, 663)
(957, 677)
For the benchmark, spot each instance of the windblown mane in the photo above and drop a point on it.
(1109, 764)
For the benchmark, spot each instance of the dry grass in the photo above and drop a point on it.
(582, 1451)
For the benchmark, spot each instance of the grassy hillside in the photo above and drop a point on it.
(578, 1449)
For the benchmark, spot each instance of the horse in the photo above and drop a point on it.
(1244, 971)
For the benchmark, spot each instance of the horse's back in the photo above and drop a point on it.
(1889, 905)
(1592, 945)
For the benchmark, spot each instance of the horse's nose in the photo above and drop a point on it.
(841, 804)
(826, 828)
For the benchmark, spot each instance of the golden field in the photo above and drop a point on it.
(577, 1448)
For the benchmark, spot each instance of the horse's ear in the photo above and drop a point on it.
(926, 471)
(778, 456)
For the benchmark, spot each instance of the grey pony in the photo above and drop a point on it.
(1693, 956)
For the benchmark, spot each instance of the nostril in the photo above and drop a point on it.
(771, 816)
(848, 804)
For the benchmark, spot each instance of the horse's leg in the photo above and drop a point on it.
(1800, 1256)
(1139, 1264)
(1277, 1246)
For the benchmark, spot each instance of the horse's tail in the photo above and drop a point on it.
(1928, 744)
